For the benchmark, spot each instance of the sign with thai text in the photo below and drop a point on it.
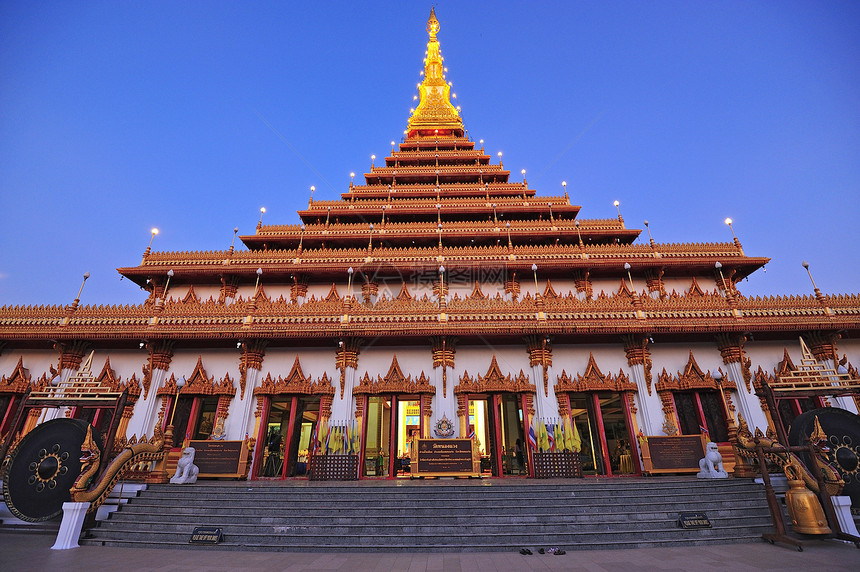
(444, 457)
(220, 458)
(673, 453)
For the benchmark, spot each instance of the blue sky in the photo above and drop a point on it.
(119, 116)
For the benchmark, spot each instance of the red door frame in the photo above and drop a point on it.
(601, 432)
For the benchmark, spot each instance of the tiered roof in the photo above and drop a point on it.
(440, 200)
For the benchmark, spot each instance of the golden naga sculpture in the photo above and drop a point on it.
(435, 115)
(789, 462)
(84, 490)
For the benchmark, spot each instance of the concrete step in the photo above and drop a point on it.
(398, 516)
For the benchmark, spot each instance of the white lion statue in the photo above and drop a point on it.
(711, 467)
(186, 470)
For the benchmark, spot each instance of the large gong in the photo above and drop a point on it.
(843, 435)
(43, 467)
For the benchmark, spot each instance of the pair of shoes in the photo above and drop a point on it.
(541, 551)
(559, 552)
(525, 551)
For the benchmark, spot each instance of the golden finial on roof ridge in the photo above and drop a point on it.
(435, 115)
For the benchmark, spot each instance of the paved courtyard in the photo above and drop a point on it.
(32, 552)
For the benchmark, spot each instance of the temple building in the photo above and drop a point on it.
(440, 296)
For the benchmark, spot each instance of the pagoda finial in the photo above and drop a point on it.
(435, 115)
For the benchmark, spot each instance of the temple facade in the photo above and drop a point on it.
(440, 296)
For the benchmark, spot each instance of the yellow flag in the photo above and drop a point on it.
(577, 441)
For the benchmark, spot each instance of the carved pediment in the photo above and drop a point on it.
(592, 379)
(394, 382)
(18, 381)
(494, 382)
(691, 378)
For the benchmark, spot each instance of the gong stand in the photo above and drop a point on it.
(85, 400)
(771, 395)
(779, 534)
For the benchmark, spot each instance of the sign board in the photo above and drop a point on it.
(693, 520)
(673, 453)
(445, 458)
(206, 535)
(220, 458)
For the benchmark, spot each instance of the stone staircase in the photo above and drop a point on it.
(440, 516)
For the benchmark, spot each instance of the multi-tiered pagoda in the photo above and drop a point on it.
(437, 298)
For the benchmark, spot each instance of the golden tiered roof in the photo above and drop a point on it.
(435, 115)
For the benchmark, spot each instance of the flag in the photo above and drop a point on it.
(576, 445)
(327, 439)
(705, 431)
(347, 442)
(550, 433)
(543, 442)
(471, 432)
(532, 438)
(351, 436)
(561, 437)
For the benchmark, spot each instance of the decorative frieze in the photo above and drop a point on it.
(731, 348)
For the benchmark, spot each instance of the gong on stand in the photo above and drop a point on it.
(43, 467)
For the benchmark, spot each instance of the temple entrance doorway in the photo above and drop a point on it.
(604, 425)
(496, 420)
(391, 423)
(291, 423)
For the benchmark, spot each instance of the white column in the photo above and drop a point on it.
(649, 414)
(546, 404)
(443, 406)
(748, 405)
(71, 525)
(240, 418)
(342, 409)
(145, 413)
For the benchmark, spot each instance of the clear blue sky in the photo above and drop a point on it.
(119, 116)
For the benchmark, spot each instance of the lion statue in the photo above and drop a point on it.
(711, 467)
(186, 470)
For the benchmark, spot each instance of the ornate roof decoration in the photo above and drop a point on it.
(785, 366)
(549, 291)
(191, 296)
(435, 115)
(477, 294)
(695, 289)
(295, 383)
(592, 379)
(624, 289)
(108, 378)
(198, 383)
(692, 378)
(333, 296)
(404, 295)
(394, 382)
(494, 382)
(18, 381)
(811, 375)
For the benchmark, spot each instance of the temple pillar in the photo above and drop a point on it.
(463, 415)
(346, 360)
(582, 282)
(299, 289)
(512, 288)
(444, 402)
(540, 360)
(370, 292)
(738, 370)
(154, 375)
(240, 423)
(229, 287)
(646, 401)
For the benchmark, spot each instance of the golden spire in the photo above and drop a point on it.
(435, 115)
